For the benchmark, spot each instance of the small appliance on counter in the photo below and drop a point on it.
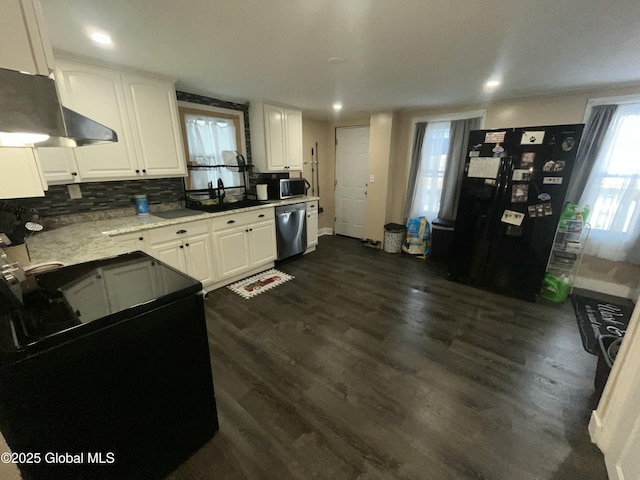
(279, 185)
(107, 359)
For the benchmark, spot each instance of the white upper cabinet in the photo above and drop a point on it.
(141, 109)
(155, 122)
(98, 93)
(23, 36)
(276, 134)
(20, 177)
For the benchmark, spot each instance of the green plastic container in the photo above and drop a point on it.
(554, 289)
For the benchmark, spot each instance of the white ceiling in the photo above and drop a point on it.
(398, 54)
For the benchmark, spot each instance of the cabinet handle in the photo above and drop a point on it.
(251, 229)
(186, 245)
(246, 230)
(137, 171)
(144, 170)
(230, 222)
(179, 232)
(140, 238)
(261, 215)
(75, 174)
(181, 246)
(308, 216)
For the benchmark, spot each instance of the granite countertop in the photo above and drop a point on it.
(91, 240)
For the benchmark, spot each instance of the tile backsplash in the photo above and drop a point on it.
(101, 196)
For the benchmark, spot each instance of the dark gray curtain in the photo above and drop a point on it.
(456, 157)
(416, 156)
(590, 144)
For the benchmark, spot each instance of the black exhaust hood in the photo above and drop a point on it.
(29, 105)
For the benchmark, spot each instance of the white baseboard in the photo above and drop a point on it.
(608, 288)
(325, 231)
(595, 427)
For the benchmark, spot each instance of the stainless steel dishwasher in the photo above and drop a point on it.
(291, 229)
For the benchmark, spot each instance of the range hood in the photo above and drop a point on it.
(29, 105)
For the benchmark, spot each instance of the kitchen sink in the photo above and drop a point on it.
(228, 206)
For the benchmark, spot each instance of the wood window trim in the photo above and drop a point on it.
(236, 118)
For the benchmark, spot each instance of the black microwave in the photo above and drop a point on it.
(281, 188)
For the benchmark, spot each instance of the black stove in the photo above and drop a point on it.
(77, 299)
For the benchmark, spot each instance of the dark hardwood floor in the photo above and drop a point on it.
(371, 366)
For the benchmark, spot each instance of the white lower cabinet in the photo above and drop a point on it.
(233, 251)
(185, 246)
(133, 241)
(312, 225)
(212, 251)
(244, 241)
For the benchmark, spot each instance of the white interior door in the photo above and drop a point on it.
(352, 166)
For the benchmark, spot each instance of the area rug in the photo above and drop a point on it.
(597, 318)
(257, 284)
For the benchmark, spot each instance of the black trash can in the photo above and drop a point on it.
(442, 239)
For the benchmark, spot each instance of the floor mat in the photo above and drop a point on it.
(257, 284)
(599, 318)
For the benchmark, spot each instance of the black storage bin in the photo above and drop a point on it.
(442, 239)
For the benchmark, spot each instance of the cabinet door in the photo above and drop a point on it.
(274, 125)
(233, 251)
(98, 93)
(24, 39)
(171, 253)
(20, 176)
(312, 229)
(262, 241)
(199, 257)
(58, 165)
(154, 120)
(293, 139)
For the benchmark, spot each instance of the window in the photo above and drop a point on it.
(429, 181)
(207, 134)
(613, 188)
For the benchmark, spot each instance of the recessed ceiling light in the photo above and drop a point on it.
(101, 38)
(335, 60)
(337, 106)
(492, 83)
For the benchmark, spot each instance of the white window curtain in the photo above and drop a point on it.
(207, 137)
(429, 179)
(613, 189)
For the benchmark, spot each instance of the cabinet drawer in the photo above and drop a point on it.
(312, 206)
(243, 218)
(178, 231)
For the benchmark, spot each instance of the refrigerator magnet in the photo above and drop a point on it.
(532, 211)
(552, 166)
(519, 193)
(526, 161)
(568, 144)
(494, 137)
(531, 137)
(521, 175)
(512, 218)
(544, 197)
(552, 181)
(474, 153)
(547, 209)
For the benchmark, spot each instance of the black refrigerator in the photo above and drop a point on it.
(512, 194)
